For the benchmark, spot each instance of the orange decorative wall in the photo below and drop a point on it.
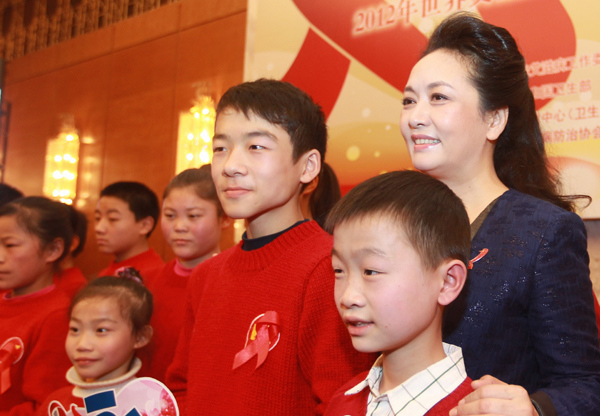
(125, 85)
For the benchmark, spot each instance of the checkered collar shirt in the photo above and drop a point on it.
(417, 395)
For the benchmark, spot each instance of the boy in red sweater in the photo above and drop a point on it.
(400, 245)
(261, 334)
(125, 216)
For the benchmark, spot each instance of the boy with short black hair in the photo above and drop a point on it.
(125, 216)
(401, 242)
(261, 334)
(8, 194)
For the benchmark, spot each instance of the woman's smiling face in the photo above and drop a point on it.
(444, 129)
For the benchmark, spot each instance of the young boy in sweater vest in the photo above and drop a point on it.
(261, 334)
(401, 242)
(125, 216)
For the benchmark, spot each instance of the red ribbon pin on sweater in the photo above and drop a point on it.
(262, 337)
(11, 351)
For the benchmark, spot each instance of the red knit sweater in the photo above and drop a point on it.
(40, 321)
(291, 276)
(356, 404)
(64, 396)
(146, 263)
(169, 292)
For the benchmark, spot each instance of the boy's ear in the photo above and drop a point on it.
(54, 250)
(312, 165)
(454, 280)
(143, 337)
(147, 224)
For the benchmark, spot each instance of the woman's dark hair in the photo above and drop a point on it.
(44, 218)
(133, 298)
(325, 195)
(497, 70)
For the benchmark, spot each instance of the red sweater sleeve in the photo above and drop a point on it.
(176, 378)
(46, 364)
(327, 356)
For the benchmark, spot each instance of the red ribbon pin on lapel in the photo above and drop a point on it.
(481, 255)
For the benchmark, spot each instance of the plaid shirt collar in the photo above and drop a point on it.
(417, 395)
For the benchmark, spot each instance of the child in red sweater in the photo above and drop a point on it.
(34, 237)
(400, 245)
(192, 220)
(125, 216)
(109, 321)
(261, 334)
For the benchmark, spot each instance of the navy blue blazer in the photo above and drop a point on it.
(526, 314)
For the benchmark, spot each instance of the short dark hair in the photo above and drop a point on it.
(44, 218)
(8, 194)
(79, 224)
(134, 299)
(432, 217)
(282, 104)
(497, 70)
(200, 180)
(142, 201)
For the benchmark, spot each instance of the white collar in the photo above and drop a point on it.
(83, 388)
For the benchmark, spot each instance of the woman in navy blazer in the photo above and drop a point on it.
(526, 315)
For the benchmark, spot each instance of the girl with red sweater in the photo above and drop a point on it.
(192, 220)
(109, 321)
(34, 236)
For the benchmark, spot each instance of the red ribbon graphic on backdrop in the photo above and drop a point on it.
(10, 352)
(320, 69)
(262, 337)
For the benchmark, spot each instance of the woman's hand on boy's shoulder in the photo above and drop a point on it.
(493, 397)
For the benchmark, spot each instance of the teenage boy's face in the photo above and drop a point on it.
(385, 296)
(254, 172)
(117, 231)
